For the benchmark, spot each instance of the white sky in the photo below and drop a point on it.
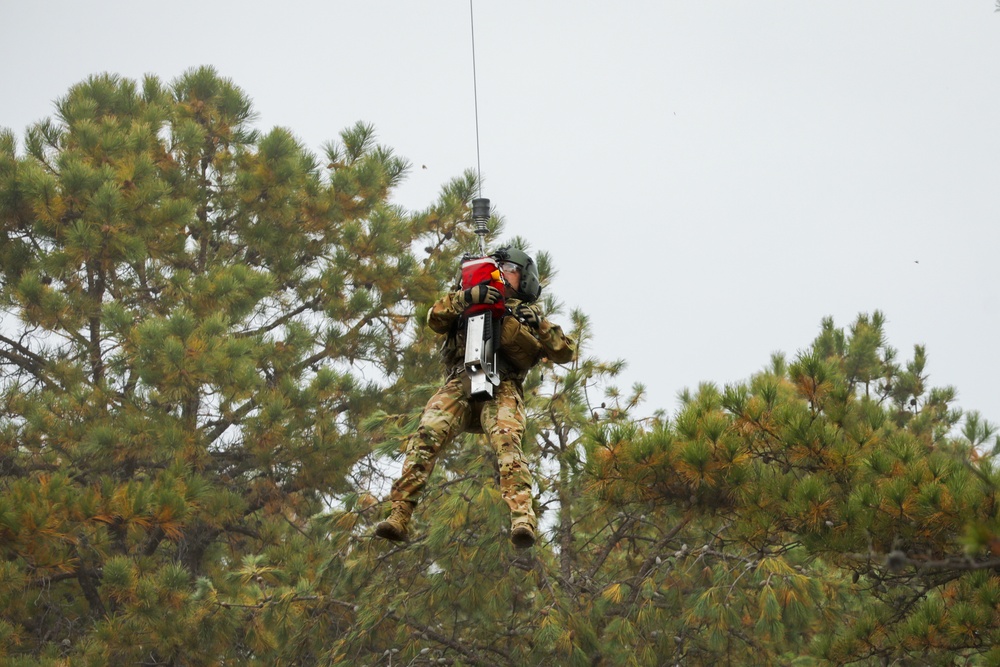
(712, 178)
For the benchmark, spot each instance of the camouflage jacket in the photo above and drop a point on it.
(521, 346)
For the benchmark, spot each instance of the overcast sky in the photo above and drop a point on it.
(712, 178)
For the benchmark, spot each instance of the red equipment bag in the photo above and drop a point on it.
(483, 271)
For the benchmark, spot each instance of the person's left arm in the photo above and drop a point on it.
(556, 345)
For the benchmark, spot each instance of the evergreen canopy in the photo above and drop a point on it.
(210, 355)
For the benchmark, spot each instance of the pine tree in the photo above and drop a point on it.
(829, 510)
(197, 317)
(212, 355)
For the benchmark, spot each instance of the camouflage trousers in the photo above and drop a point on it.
(450, 413)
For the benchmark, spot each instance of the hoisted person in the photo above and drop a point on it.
(526, 338)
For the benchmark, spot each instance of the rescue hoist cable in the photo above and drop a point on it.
(480, 206)
(475, 96)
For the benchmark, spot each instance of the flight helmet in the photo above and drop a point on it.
(530, 287)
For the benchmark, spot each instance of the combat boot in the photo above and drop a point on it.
(395, 527)
(522, 535)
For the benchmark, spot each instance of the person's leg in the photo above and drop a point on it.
(503, 422)
(445, 416)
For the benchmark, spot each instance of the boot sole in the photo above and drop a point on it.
(388, 532)
(522, 539)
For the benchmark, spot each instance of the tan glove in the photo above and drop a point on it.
(481, 294)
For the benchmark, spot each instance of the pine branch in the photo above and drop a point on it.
(26, 360)
(543, 579)
(473, 657)
(223, 424)
(270, 599)
(153, 541)
(45, 582)
(28, 354)
(401, 547)
(615, 538)
(284, 319)
(650, 562)
(895, 561)
(88, 584)
(990, 484)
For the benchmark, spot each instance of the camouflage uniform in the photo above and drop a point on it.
(449, 412)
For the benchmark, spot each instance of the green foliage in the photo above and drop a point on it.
(839, 512)
(197, 318)
(210, 358)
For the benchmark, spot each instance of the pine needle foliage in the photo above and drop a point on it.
(197, 317)
(212, 358)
